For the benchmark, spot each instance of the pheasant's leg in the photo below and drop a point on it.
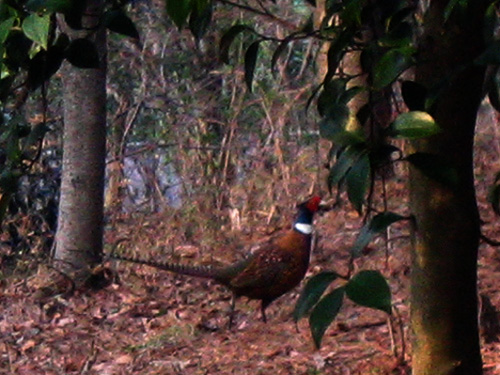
(263, 311)
(231, 314)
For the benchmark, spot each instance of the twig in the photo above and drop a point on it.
(265, 14)
(489, 241)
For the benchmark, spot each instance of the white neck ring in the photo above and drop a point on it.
(303, 228)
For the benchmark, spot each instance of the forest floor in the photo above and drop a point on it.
(154, 322)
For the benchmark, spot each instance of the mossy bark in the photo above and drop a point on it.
(446, 230)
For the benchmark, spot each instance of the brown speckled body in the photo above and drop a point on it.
(272, 270)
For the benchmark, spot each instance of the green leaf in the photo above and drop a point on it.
(350, 93)
(5, 27)
(336, 51)
(337, 121)
(324, 313)
(312, 292)
(118, 22)
(178, 11)
(44, 65)
(376, 225)
(400, 36)
(83, 54)
(36, 28)
(344, 162)
(49, 6)
(348, 138)
(358, 180)
(228, 38)
(351, 15)
(391, 65)
(414, 125)
(434, 167)
(370, 289)
(250, 62)
(330, 95)
(278, 51)
(414, 95)
(200, 19)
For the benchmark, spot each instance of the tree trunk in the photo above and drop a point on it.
(446, 236)
(80, 223)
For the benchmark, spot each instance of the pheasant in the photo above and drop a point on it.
(268, 272)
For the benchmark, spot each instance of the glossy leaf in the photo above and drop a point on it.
(118, 22)
(377, 224)
(414, 125)
(250, 63)
(434, 167)
(36, 28)
(324, 313)
(391, 65)
(178, 11)
(82, 53)
(5, 27)
(370, 289)
(357, 181)
(228, 38)
(414, 95)
(344, 162)
(312, 292)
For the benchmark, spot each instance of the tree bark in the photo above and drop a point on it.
(80, 223)
(446, 231)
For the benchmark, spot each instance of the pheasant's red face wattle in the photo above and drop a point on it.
(313, 203)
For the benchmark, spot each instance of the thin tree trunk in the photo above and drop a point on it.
(446, 236)
(80, 224)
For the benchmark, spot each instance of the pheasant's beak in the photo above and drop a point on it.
(325, 206)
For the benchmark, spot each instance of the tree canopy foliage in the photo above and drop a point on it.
(366, 101)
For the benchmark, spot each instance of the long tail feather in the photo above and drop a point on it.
(207, 272)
